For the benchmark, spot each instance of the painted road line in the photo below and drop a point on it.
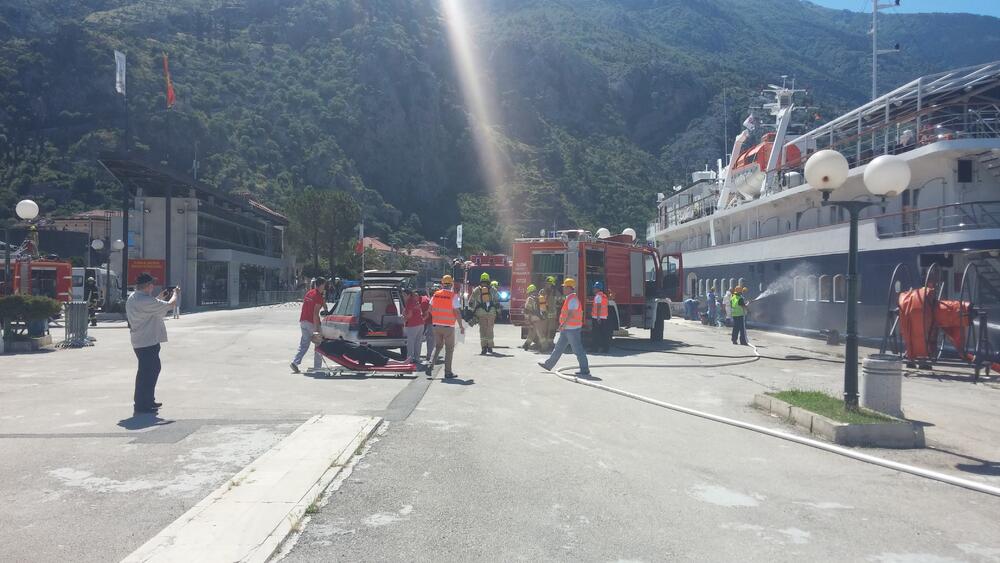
(248, 517)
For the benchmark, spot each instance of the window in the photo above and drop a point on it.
(839, 289)
(347, 304)
(825, 289)
(799, 288)
(545, 265)
(732, 283)
(701, 287)
(812, 288)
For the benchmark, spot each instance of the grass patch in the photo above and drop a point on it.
(830, 407)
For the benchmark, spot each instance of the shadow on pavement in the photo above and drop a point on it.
(982, 467)
(141, 421)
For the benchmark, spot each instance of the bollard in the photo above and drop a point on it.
(882, 384)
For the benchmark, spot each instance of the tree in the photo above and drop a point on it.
(340, 216)
(306, 219)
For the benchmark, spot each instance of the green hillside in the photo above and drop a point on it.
(602, 103)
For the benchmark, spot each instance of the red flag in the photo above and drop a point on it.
(171, 97)
(360, 247)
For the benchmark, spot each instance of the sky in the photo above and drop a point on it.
(985, 7)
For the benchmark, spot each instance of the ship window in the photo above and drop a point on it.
(812, 288)
(732, 283)
(839, 289)
(799, 288)
(825, 289)
(701, 287)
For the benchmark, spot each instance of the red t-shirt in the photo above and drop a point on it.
(413, 313)
(425, 309)
(312, 301)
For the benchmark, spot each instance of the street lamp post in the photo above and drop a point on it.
(886, 175)
(27, 210)
(98, 245)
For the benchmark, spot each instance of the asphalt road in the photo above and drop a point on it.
(516, 464)
(509, 462)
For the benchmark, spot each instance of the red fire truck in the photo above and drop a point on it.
(498, 266)
(49, 278)
(639, 283)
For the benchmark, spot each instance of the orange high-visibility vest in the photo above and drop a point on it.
(442, 308)
(571, 319)
(600, 310)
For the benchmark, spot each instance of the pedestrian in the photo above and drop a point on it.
(713, 307)
(425, 310)
(485, 302)
(309, 324)
(92, 296)
(739, 306)
(533, 320)
(445, 312)
(727, 307)
(549, 304)
(570, 330)
(147, 331)
(601, 333)
(413, 324)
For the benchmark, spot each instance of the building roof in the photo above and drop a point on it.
(375, 244)
(155, 180)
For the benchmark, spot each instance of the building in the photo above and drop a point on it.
(223, 250)
(424, 258)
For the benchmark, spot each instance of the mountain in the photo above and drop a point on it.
(600, 103)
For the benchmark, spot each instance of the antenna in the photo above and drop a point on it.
(875, 50)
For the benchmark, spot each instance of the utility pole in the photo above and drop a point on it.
(875, 50)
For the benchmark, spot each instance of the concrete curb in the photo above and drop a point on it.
(248, 517)
(898, 435)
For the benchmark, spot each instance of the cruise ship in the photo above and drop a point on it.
(757, 221)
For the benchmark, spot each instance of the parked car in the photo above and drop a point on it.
(372, 312)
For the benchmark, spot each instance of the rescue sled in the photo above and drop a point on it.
(359, 358)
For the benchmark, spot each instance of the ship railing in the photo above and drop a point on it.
(939, 219)
(873, 138)
(673, 214)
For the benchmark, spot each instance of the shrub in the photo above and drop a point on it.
(28, 308)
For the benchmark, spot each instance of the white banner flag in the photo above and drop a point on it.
(120, 72)
(458, 237)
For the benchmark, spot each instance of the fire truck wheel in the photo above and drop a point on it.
(656, 333)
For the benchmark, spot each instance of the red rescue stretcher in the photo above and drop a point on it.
(364, 359)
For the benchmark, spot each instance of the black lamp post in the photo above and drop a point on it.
(886, 175)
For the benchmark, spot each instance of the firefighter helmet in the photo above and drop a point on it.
(551, 280)
(446, 280)
(532, 288)
(484, 277)
(569, 282)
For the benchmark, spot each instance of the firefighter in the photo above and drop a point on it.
(548, 300)
(533, 319)
(570, 330)
(739, 306)
(485, 302)
(445, 312)
(92, 296)
(599, 314)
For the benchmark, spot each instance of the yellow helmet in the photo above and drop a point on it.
(569, 282)
(532, 288)
(446, 280)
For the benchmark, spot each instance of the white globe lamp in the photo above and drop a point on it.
(118, 245)
(630, 232)
(887, 175)
(26, 209)
(826, 171)
(97, 244)
(603, 233)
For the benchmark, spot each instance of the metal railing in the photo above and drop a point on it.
(258, 298)
(939, 219)
(77, 320)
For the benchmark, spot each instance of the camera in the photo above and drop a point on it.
(169, 292)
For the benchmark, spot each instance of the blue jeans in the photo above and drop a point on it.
(305, 340)
(566, 338)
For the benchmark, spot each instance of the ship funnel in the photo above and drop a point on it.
(603, 233)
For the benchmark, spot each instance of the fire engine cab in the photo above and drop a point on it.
(499, 268)
(639, 283)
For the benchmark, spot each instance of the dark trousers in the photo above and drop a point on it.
(601, 336)
(146, 376)
(740, 329)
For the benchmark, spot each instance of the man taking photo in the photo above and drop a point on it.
(147, 330)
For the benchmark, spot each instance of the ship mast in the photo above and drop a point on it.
(875, 50)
